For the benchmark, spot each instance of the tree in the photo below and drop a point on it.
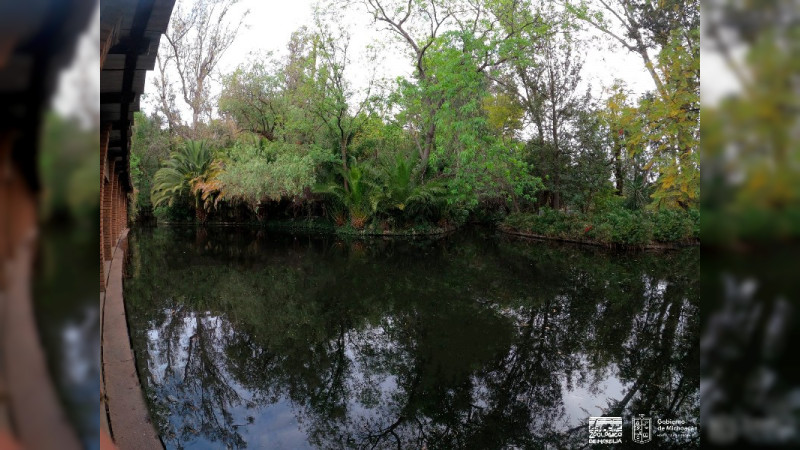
(359, 198)
(668, 29)
(255, 99)
(332, 94)
(587, 179)
(647, 25)
(548, 89)
(619, 117)
(194, 44)
(487, 34)
(270, 171)
(186, 173)
(149, 146)
(402, 194)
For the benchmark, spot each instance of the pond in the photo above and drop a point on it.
(249, 338)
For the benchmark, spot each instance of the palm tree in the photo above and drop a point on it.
(189, 170)
(404, 194)
(359, 196)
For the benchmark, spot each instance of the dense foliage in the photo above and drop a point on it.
(617, 226)
(494, 120)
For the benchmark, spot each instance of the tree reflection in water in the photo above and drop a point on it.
(248, 339)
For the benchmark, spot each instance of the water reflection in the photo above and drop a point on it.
(68, 319)
(748, 369)
(248, 339)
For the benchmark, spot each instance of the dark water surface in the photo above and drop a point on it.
(247, 338)
(68, 317)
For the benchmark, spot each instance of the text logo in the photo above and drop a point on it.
(605, 430)
(642, 429)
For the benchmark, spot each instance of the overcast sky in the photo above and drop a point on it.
(271, 23)
(78, 91)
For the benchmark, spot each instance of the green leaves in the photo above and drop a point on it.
(276, 171)
(180, 172)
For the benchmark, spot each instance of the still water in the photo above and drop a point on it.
(248, 338)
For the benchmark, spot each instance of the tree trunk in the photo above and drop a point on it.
(343, 151)
(430, 136)
(199, 210)
(619, 176)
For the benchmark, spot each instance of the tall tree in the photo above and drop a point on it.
(665, 34)
(198, 37)
(644, 27)
(341, 107)
(487, 34)
(556, 103)
(255, 98)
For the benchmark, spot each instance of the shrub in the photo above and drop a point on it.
(602, 232)
(178, 212)
(672, 226)
(629, 227)
(616, 226)
(694, 216)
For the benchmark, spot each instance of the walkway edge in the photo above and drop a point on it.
(128, 416)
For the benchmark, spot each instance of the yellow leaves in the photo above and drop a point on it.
(668, 180)
(504, 113)
(770, 186)
(209, 186)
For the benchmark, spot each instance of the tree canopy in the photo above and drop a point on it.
(495, 117)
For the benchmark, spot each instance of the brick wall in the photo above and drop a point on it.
(113, 206)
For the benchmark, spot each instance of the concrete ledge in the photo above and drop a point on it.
(34, 411)
(128, 417)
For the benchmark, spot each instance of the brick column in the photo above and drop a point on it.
(106, 220)
(108, 191)
(105, 132)
(121, 214)
(118, 210)
(114, 207)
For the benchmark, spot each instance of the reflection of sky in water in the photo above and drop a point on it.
(329, 346)
(581, 402)
(272, 426)
(277, 426)
(81, 339)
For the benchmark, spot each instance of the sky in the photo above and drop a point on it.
(271, 23)
(77, 94)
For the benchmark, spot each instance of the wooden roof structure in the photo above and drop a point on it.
(130, 32)
(37, 39)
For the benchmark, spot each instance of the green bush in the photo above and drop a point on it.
(178, 212)
(672, 226)
(694, 216)
(549, 223)
(602, 233)
(629, 227)
(619, 226)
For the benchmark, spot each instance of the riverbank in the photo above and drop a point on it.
(618, 229)
(325, 227)
(541, 237)
(655, 231)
